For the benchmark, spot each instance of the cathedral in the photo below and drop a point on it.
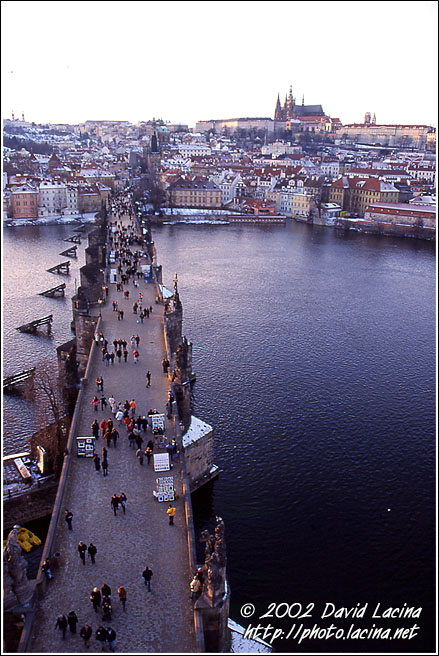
(290, 110)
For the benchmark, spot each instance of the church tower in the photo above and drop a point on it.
(278, 110)
(153, 158)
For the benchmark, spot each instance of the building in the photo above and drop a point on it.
(72, 199)
(53, 197)
(354, 195)
(385, 135)
(89, 199)
(281, 148)
(420, 216)
(290, 110)
(231, 185)
(422, 171)
(194, 192)
(264, 127)
(190, 150)
(24, 202)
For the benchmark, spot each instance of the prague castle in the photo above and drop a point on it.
(291, 111)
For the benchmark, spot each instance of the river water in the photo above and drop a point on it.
(314, 351)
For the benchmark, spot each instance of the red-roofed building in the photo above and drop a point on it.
(422, 216)
(24, 202)
(354, 195)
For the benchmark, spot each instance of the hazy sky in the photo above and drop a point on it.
(67, 62)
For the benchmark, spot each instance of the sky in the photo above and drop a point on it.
(68, 62)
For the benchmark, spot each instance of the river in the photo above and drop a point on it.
(314, 351)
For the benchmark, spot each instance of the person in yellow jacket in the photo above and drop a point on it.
(171, 513)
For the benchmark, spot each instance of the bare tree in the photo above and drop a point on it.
(46, 395)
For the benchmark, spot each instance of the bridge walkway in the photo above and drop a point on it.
(160, 621)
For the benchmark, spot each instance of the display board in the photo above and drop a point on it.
(164, 489)
(158, 423)
(161, 462)
(85, 447)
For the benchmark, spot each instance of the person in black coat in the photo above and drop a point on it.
(101, 635)
(61, 624)
(86, 633)
(92, 551)
(95, 598)
(72, 621)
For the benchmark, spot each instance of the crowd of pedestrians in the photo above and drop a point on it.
(115, 417)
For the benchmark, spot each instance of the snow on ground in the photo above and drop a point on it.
(241, 645)
(195, 221)
(190, 211)
(196, 431)
(53, 220)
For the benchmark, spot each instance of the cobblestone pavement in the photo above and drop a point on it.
(160, 621)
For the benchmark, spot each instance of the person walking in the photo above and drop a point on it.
(95, 403)
(139, 455)
(123, 501)
(119, 416)
(171, 514)
(136, 356)
(111, 637)
(99, 384)
(115, 503)
(125, 354)
(107, 437)
(105, 466)
(101, 636)
(61, 624)
(133, 407)
(122, 596)
(103, 426)
(95, 428)
(148, 378)
(131, 438)
(103, 403)
(82, 550)
(95, 598)
(106, 610)
(148, 454)
(72, 621)
(106, 590)
(69, 519)
(86, 633)
(147, 575)
(92, 551)
(114, 436)
(97, 462)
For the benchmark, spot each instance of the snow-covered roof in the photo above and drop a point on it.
(166, 293)
(196, 431)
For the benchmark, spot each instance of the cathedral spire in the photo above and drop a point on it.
(278, 110)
